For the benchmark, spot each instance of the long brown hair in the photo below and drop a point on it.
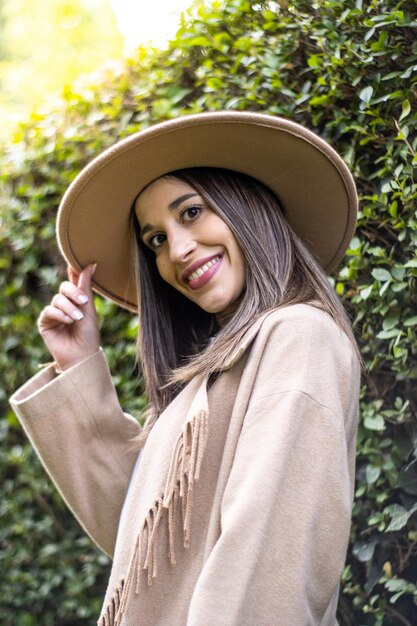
(178, 340)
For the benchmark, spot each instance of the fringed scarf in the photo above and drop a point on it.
(183, 472)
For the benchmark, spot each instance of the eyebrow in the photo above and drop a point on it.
(176, 203)
(173, 205)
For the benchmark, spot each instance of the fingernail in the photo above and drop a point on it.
(94, 268)
(77, 315)
(82, 299)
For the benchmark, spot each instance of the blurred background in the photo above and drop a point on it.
(82, 74)
(47, 45)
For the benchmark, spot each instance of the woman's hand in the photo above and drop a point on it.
(69, 325)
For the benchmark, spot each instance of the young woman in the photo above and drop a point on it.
(232, 505)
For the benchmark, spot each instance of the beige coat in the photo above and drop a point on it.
(238, 512)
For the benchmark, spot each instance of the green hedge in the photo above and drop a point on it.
(349, 70)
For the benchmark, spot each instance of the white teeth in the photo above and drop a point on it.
(201, 270)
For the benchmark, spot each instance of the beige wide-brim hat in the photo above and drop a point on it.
(311, 181)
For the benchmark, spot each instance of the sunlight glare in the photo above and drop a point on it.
(153, 22)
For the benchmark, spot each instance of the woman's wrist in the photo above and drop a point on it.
(60, 368)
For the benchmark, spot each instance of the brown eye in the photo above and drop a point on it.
(157, 240)
(191, 213)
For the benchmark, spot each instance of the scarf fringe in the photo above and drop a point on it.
(183, 472)
(108, 617)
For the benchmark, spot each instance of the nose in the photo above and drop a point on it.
(181, 245)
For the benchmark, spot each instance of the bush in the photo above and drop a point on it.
(347, 69)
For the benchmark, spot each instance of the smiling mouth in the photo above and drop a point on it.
(203, 268)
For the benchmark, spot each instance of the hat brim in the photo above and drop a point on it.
(312, 182)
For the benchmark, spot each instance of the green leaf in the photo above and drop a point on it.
(405, 110)
(390, 322)
(399, 352)
(372, 474)
(366, 292)
(374, 422)
(314, 60)
(198, 41)
(396, 584)
(355, 243)
(388, 334)
(393, 210)
(381, 274)
(319, 100)
(397, 287)
(369, 34)
(398, 272)
(400, 517)
(366, 94)
(364, 551)
(407, 479)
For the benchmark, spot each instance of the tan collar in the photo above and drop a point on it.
(244, 343)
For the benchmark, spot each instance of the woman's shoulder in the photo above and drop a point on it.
(301, 348)
(292, 330)
(305, 331)
(295, 318)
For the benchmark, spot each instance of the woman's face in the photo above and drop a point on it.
(196, 252)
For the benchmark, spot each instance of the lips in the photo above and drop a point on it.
(200, 272)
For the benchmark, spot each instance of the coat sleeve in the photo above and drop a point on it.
(84, 440)
(286, 509)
